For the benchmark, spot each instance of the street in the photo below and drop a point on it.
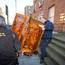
(29, 60)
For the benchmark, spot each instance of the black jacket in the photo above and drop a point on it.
(8, 46)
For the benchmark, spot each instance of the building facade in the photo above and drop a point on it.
(4, 10)
(29, 10)
(38, 9)
(54, 10)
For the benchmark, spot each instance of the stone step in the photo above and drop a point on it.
(55, 56)
(58, 43)
(56, 51)
(48, 61)
(59, 38)
(59, 50)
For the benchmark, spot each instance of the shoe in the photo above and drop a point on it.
(45, 55)
(42, 64)
(41, 61)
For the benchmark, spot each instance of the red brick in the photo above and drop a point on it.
(59, 9)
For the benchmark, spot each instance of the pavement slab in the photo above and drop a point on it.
(29, 60)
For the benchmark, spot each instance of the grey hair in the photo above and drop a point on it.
(2, 21)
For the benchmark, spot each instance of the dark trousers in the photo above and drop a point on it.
(44, 43)
(9, 62)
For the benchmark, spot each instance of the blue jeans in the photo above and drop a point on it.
(44, 43)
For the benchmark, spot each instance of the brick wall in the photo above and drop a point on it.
(59, 9)
(37, 8)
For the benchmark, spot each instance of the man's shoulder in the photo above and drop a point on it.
(49, 22)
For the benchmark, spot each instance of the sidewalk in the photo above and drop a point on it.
(29, 60)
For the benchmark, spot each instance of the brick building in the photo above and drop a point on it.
(54, 10)
(38, 8)
(28, 10)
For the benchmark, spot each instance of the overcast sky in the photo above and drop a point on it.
(20, 4)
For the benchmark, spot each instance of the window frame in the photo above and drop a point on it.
(50, 15)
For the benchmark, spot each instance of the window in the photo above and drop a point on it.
(51, 14)
(62, 17)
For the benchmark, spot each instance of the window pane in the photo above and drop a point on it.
(51, 14)
(51, 11)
